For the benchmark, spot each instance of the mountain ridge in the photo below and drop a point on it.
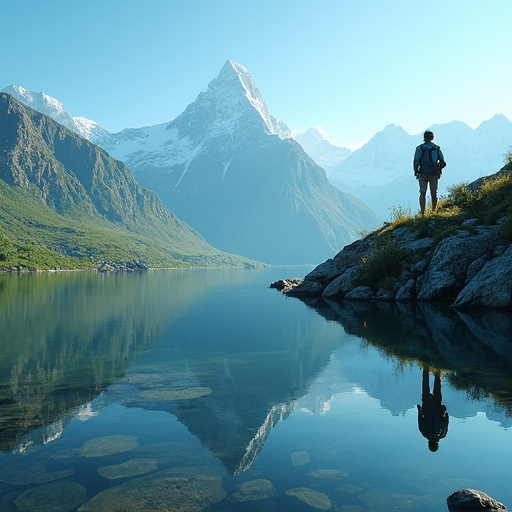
(69, 195)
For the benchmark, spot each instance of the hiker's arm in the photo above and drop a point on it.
(416, 160)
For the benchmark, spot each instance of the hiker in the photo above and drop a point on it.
(428, 165)
(432, 414)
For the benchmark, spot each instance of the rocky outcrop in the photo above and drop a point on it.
(471, 500)
(470, 267)
(121, 266)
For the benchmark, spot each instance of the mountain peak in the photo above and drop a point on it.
(37, 100)
(233, 88)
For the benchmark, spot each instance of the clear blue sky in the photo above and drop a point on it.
(349, 66)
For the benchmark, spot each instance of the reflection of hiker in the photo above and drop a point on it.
(428, 165)
(432, 415)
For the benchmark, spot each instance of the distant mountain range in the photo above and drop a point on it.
(230, 170)
(61, 192)
(381, 174)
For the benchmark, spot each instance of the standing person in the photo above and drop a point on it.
(432, 414)
(428, 165)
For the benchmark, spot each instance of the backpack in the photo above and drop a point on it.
(430, 156)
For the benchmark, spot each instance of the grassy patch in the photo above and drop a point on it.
(382, 267)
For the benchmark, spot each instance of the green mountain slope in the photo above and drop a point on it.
(62, 195)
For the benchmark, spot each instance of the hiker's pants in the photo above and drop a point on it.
(426, 180)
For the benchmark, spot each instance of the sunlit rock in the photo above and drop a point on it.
(109, 445)
(471, 500)
(300, 458)
(158, 493)
(132, 467)
(314, 498)
(491, 287)
(252, 490)
(55, 497)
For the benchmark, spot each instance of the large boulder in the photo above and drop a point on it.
(471, 500)
(491, 287)
(446, 273)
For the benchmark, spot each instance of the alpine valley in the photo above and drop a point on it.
(66, 201)
(230, 170)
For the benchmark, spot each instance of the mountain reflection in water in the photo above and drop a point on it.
(157, 361)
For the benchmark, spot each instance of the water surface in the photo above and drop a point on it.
(207, 390)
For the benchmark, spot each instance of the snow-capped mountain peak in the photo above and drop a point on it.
(231, 89)
(52, 107)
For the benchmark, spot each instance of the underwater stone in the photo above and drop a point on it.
(314, 498)
(55, 497)
(157, 493)
(132, 467)
(109, 445)
(252, 490)
(300, 458)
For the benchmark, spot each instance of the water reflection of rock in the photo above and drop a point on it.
(474, 350)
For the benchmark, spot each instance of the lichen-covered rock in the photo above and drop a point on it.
(471, 500)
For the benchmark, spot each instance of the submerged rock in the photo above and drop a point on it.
(300, 458)
(329, 474)
(471, 500)
(132, 467)
(31, 474)
(314, 498)
(55, 497)
(252, 490)
(109, 445)
(159, 493)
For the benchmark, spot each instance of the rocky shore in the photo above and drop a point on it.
(472, 267)
(453, 257)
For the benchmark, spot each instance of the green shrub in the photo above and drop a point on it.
(382, 267)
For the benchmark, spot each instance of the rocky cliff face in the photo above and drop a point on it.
(471, 267)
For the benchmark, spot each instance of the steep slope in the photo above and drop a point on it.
(62, 192)
(229, 169)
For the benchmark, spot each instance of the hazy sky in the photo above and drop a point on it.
(349, 66)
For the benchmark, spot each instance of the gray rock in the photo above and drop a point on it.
(307, 288)
(360, 293)
(351, 254)
(447, 270)
(324, 273)
(491, 287)
(471, 500)
(406, 292)
(342, 284)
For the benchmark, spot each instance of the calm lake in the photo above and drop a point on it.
(206, 390)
